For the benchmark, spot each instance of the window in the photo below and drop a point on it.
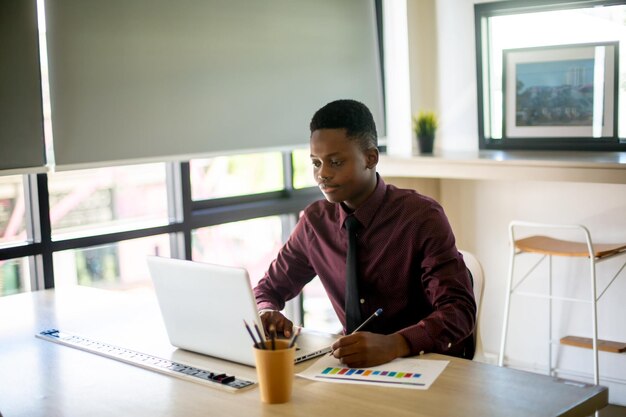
(14, 273)
(302, 169)
(14, 276)
(318, 311)
(12, 210)
(118, 265)
(103, 200)
(251, 244)
(228, 176)
(510, 27)
(94, 227)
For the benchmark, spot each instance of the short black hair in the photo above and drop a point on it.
(351, 115)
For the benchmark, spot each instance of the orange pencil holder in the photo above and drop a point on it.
(275, 371)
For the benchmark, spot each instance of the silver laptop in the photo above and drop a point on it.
(204, 307)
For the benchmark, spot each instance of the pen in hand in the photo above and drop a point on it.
(370, 318)
(376, 314)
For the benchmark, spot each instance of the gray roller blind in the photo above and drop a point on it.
(136, 79)
(21, 115)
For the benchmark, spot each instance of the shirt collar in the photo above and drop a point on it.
(365, 213)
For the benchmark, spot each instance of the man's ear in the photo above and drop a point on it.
(371, 156)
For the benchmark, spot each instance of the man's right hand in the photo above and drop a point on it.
(283, 324)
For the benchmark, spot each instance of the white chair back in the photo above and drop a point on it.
(479, 280)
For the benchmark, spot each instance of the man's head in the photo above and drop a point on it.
(344, 152)
(351, 115)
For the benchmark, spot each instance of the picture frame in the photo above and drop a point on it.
(565, 91)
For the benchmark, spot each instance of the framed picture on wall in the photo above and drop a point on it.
(565, 91)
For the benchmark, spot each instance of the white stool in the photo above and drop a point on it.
(548, 247)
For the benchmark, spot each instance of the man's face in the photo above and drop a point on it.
(344, 172)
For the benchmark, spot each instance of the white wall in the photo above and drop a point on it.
(481, 210)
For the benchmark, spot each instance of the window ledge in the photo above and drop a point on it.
(589, 167)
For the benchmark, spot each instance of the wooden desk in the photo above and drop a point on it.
(39, 378)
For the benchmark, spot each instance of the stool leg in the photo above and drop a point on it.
(507, 306)
(550, 316)
(594, 320)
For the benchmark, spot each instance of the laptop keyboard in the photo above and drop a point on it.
(164, 366)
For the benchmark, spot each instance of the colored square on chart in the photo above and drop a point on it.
(383, 373)
(351, 371)
(327, 370)
(408, 375)
(343, 371)
(360, 371)
(391, 374)
(376, 373)
(416, 375)
(399, 374)
(366, 373)
(334, 371)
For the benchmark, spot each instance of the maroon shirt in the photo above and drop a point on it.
(408, 266)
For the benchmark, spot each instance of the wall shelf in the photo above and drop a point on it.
(585, 167)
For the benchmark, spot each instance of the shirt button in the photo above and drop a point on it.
(449, 345)
(362, 300)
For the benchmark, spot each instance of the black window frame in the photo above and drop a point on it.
(194, 214)
(502, 8)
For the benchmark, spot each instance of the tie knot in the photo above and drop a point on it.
(351, 223)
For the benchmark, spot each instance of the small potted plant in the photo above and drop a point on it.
(424, 126)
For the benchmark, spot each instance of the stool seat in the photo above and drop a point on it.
(551, 246)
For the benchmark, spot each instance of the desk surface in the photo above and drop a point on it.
(39, 378)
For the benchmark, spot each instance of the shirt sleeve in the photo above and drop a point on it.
(447, 287)
(288, 273)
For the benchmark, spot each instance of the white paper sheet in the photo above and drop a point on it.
(400, 373)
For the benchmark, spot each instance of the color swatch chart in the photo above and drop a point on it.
(400, 373)
(391, 377)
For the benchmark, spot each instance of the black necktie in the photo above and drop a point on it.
(353, 310)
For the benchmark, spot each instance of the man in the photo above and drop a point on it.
(408, 264)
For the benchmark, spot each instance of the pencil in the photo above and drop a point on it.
(256, 344)
(295, 336)
(260, 336)
(273, 335)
